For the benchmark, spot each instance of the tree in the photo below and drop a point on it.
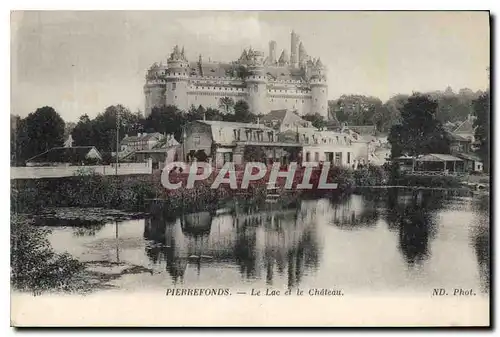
(481, 108)
(166, 119)
(242, 113)
(419, 131)
(227, 104)
(83, 132)
(41, 131)
(317, 120)
(357, 110)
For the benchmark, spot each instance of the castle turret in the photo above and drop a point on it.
(256, 83)
(177, 79)
(283, 61)
(294, 50)
(272, 52)
(319, 89)
(302, 55)
(154, 89)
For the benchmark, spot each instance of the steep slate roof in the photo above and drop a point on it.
(76, 154)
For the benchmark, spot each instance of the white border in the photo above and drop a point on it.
(228, 5)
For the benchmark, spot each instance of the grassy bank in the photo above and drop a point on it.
(132, 192)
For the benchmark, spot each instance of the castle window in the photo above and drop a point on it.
(302, 101)
(174, 85)
(175, 97)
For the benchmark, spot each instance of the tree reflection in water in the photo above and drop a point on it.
(260, 240)
(411, 215)
(355, 212)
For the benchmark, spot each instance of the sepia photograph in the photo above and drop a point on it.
(250, 168)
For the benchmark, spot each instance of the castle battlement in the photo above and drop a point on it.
(296, 82)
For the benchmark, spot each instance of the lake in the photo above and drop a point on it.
(397, 241)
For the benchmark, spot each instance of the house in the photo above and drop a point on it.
(221, 142)
(472, 162)
(439, 162)
(466, 129)
(166, 150)
(66, 156)
(463, 145)
(283, 120)
(143, 141)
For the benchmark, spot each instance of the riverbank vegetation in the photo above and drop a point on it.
(34, 265)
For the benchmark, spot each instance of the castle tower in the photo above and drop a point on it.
(154, 89)
(294, 50)
(302, 55)
(272, 52)
(177, 76)
(319, 89)
(257, 84)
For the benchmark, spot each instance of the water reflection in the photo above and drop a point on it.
(412, 216)
(261, 243)
(387, 240)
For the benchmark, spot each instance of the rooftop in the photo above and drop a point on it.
(76, 154)
(235, 125)
(438, 157)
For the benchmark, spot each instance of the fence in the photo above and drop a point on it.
(38, 172)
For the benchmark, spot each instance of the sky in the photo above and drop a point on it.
(82, 62)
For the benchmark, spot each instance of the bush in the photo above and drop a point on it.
(427, 181)
(34, 266)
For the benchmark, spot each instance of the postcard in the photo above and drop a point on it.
(246, 168)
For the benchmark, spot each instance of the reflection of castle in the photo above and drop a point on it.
(296, 82)
(267, 241)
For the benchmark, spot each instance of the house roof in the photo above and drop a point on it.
(223, 132)
(284, 116)
(458, 137)
(166, 142)
(466, 127)
(141, 137)
(235, 125)
(73, 154)
(438, 157)
(468, 156)
(363, 130)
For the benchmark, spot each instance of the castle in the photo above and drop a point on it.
(296, 82)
